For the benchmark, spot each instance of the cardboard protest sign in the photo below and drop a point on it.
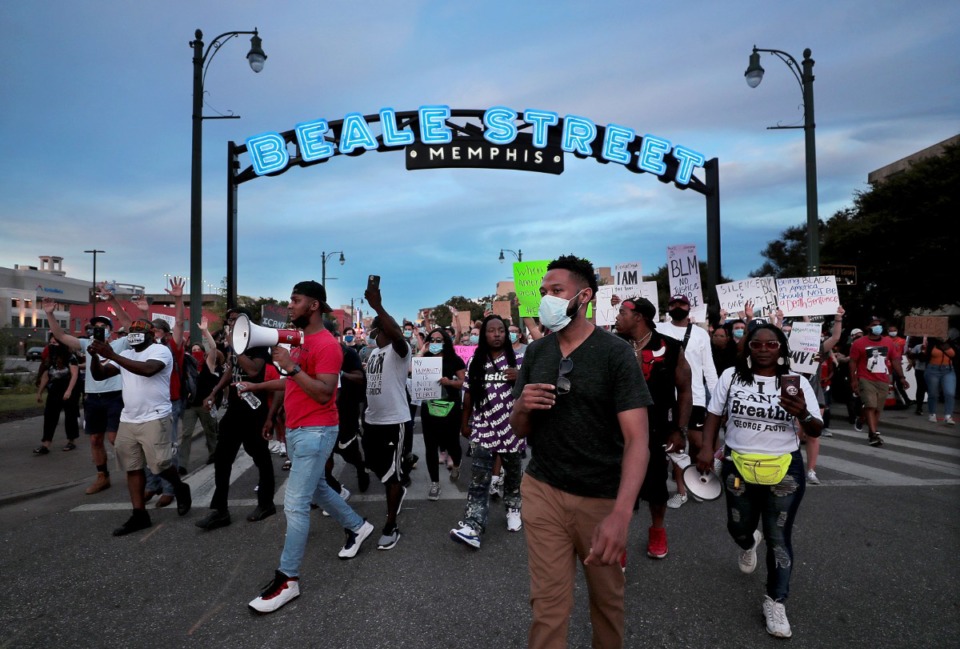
(169, 319)
(502, 309)
(799, 296)
(935, 326)
(606, 313)
(527, 276)
(426, 374)
(684, 273)
(732, 296)
(464, 321)
(627, 278)
(804, 343)
(465, 352)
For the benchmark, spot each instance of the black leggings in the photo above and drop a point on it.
(440, 432)
(242, 426)
(71, 410)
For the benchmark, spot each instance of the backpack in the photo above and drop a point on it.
(188, 380)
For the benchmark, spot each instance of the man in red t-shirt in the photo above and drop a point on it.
(312, 371)
(872, 359)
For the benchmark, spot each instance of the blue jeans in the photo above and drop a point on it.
(940, 376)
(775, 506)
(308, 448)
(155, 483)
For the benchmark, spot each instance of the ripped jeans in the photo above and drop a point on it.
(775, 507)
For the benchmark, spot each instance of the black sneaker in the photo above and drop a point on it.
(389, 538)
(216, 518)
(261, 513)
(184, 500)
(363, 480)
(858, 425)
(875, 439)
(139, 520)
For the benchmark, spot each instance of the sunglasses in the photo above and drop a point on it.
(436, 340)
(765, 344)
(563, 383)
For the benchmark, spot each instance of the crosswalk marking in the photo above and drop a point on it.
(893, 441)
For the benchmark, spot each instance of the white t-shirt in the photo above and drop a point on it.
(755, 421)
(698, 355)
(387, 387)
(146, 398)
(113, 384)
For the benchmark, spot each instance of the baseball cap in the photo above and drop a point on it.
(641, 305)
(856, 331)
(102, 319)
(683, 299)
(314, 290)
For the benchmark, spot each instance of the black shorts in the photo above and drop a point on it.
(383, 450)
(101, 412)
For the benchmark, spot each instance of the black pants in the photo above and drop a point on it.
(71, 410)
(440, 433)
(921, 382)
(242, 426)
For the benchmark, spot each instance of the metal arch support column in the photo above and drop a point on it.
(233, 165)
(712, 176)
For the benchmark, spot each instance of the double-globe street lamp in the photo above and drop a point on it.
(93, 295)
(201, 61)
(516, 253)
(804, 74)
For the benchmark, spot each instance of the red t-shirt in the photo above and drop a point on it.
(874, 358)
(178, 352)
(320, 354)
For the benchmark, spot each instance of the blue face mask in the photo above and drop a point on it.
(436, 348)
(738, 333)
(474, 340)
(876, 330)
(514, 337)
(348, 339)
(407, 333)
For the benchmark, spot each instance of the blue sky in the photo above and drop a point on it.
(95, 104)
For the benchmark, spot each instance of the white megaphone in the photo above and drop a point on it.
(246, 334)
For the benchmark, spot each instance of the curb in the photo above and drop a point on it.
(19, 496)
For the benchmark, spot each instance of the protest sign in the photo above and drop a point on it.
(627, 278)
(799, 296)
(502, 309)
(804, 343)
(935, 326)
(169, 319)
(527, 276)
(464, 323)
(769, 286)
(684, 273)
(273, 315)
(465, 352)
(426, 374)
(732, 296)
(606, 313)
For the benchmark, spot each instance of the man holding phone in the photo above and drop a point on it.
(388, 409)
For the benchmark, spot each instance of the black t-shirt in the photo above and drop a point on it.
(658, 361)
(577, 446)
(206, 382)
(350, 393)
(239, 375)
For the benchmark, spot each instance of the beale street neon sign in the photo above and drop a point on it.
(431, 126)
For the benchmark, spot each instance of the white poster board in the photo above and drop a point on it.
(606, 313)
(804, 343)
(732, 296)
(649, 291)
(800, 296)
(627, 278)
(684, 273)
(426, 375)
(169, 319)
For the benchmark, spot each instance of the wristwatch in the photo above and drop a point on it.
(294, 371)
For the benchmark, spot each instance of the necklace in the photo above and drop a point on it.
(639, 344)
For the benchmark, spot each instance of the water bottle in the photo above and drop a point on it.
(251, 399)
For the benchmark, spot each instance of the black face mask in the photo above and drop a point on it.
(678, 313)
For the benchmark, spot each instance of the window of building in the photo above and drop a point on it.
(15, 303)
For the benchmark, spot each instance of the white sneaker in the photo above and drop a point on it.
(514, 523)
(812, 477)
(776, 617)
(676, 500)
(466, 535)
(354, 540)
(496, 487)
(274, 446)
(932, 419)
(434, 493)
(748, 557)
(280, 591)
(948, 420)
(283, 449)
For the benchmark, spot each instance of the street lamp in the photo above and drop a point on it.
(323, 265)
(516, 253)
(804, 76)
(201, 61)
(95, 252)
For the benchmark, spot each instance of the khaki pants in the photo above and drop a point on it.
(559, 528)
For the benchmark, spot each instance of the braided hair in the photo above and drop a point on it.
(475, 373)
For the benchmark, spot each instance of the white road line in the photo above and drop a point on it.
(895, 441)
(886, 453)
(871, 474)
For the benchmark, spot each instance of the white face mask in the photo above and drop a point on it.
(135, 339)
(553, 311)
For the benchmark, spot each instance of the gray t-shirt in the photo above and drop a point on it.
(577, 446)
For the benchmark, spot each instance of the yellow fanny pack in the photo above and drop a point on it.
(757, 468)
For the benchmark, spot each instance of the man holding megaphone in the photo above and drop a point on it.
(310, 389)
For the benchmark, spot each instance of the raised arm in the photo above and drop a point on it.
(49, 306)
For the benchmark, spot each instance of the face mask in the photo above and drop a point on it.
(514, 337)
(738, 333)
(407, 333)
(555, 311)
(436, 348)
(474, 340)
(199, 357)
(371, 341)
(678, 313)
(135, 339)
(892, 334)
(348, 339)
(876, 331)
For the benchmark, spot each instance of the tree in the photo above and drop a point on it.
(901, 234)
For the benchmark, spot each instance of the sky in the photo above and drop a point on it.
(95, 105)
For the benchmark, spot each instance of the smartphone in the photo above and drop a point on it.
(98, 334)
(789, 385)
(373, 283)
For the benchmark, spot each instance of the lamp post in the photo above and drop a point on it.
(201, 61)
(353, 314)
(516, 253)
(94, 252)
(804, 75)
(323, 265)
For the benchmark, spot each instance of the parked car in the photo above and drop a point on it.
(34, 353)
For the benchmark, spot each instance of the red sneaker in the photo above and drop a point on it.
(657, 545)
(623, 562)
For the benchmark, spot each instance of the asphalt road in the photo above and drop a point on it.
(876, 565)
